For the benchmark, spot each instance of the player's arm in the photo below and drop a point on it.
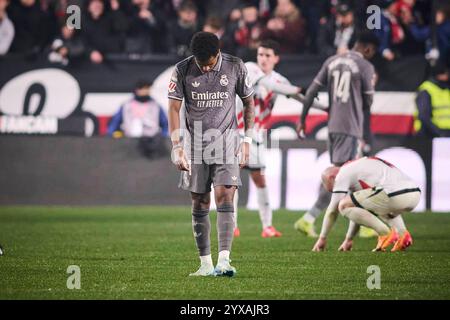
(368, 88)
(244, 90)
(178, 155)
(329, 220)
(319, 81)
(286, 88)
(175, 96)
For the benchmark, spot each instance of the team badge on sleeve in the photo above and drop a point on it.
(172, 86)
(248, 82)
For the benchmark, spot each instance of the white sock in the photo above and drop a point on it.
(308, 217)
(265, 212)
(235, 203)
(206, 260)
(224, 255)
(365, 218)
(398, 224)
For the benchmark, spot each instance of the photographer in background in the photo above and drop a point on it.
(143, 118)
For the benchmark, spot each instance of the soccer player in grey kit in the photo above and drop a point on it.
(208, 82)
(350, 79)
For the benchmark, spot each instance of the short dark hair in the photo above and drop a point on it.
(368, 38)
(204, 45)
(142, 83)
(439, 68)
(271, 44)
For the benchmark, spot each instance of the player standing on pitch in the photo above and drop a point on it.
(267, 84)
(208, 82)
(350, 79)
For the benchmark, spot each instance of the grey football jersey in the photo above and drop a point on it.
(349, 78)
(210, 97)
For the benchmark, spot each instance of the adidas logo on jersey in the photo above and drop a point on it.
(195, 84)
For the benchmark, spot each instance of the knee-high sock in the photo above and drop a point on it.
(265, 212)
(225, 226)
(365, 218)
(321, 204)
(397, 223)
(235, 204)
(201, 226)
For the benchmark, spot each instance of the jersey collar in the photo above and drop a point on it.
(216, 67)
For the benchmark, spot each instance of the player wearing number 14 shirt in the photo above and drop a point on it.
(350, 81)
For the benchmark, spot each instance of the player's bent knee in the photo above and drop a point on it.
(344, 204)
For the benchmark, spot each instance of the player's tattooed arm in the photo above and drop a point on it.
(249, 113)
(249, 122)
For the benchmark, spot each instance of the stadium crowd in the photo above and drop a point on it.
(147, 27)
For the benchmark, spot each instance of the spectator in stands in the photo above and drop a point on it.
(6, 28)
(182, 30)
(443, 33)
(216, 25)
(287, 27)
(248, 31)
(315, 13)
(31, 27)
(432, 118)
(67, 47)
(398, 33)
(103, 31)
(339, 34)
(142, 118)
(146, 28)
(221, 8)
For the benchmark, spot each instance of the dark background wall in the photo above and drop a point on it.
(61, 170)
(80, 171)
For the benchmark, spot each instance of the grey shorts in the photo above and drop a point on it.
(203, 175)
(343, 148)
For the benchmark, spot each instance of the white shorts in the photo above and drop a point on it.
(389, 205)
(257, 157)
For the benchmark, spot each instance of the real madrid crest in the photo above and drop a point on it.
(223, 80)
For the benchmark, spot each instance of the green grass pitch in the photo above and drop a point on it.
(148, 252)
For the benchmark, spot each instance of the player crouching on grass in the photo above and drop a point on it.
(373, 193)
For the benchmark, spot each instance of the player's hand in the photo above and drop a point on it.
(244, 150)
(346, 245)
(179, 159)
(301, 130)
(320, 245)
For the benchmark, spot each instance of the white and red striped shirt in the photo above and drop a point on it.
(266, 88)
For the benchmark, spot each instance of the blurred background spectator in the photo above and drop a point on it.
(103, 30)
(215, 24)
(248, 30)
(32, 27)
(142, 117)
(6, 28)
(67, 47)
(142, 28)
(433, 104)
(338, 34)
(183, 28)
(287, 27)
(146, 28)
